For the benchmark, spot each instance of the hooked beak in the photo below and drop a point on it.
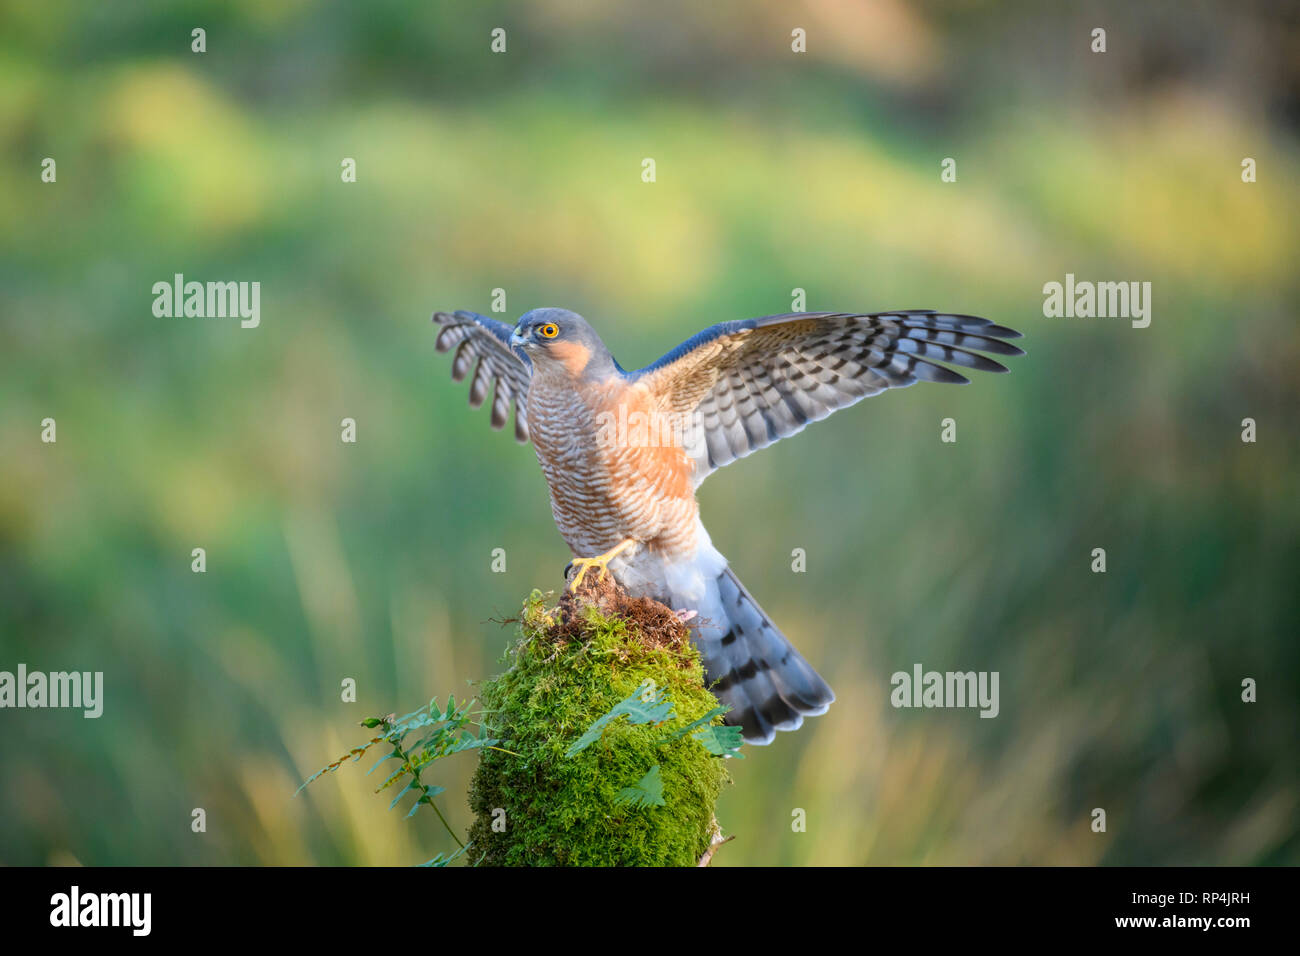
(516, 339)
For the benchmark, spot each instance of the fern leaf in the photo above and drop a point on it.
(721, 741)
(646, 792)
(637, 711)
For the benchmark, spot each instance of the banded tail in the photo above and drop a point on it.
(754, 670)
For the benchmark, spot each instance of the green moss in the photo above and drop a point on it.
(571, 665)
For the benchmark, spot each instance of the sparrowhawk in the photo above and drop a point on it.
(623, 452)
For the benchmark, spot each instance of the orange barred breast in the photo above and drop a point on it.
(614, 465)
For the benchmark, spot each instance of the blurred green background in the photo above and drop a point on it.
(522, 171)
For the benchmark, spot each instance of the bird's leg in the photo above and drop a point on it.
(599, 561)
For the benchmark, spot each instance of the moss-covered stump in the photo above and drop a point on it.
(572, 664)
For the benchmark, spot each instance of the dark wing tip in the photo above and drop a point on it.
(928, 371)
(986, 364)
(1002, 332)
(443, 342)
(992, 346)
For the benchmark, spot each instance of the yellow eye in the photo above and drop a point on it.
(549, 331)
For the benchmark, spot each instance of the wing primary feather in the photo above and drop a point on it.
(483, 344)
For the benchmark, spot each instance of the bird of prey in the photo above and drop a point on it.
(623, 452)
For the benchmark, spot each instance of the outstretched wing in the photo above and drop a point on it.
(484, 345)
(740, 386)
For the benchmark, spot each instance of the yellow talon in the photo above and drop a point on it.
(599, 561)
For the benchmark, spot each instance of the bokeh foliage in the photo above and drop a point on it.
(775, 171)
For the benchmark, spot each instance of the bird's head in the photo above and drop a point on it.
(557, 340)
